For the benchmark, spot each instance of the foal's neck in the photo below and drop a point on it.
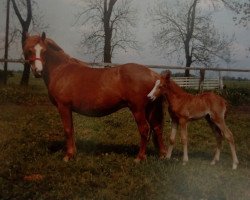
(174, 91)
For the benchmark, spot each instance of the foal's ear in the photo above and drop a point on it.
(166, 74)
(43, 36)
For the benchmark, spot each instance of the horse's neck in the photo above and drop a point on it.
(174, 92)
(54, 59)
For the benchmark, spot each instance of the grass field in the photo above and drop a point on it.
(31, 152)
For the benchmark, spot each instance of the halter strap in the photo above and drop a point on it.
(34, 59)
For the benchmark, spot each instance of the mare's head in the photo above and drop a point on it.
(160, 86)
(34, 48)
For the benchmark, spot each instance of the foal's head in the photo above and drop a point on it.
(160, 86)
(34, 49)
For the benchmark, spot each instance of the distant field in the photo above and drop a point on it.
(237, 83)
(31, 151)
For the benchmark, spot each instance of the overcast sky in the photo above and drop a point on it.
(60, 15)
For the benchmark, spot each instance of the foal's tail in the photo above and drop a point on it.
(155, 117)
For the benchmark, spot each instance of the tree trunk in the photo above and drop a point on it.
(189, 35)
(26, 71)
(108, 7)
(188, 64)
(6, 48)
(25, 28)
(107, 46)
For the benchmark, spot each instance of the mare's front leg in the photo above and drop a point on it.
(66, 116)
(144, 130)
(174, 126)
(184, 139)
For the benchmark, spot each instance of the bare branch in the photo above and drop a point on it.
(108, 25)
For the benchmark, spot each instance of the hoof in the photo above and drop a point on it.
(163, 155)
(234, 166)
(213, 162)
(138, 159)
(184, 163)
(168, 156)
(66, 159)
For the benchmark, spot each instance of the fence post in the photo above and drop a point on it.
(201, 81)
(220, 81)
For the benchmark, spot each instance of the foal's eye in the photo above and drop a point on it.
(29, 52)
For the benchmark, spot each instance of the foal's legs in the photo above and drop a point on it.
(220, 122)
(219, 138)
(66, 116)
(144, 130)
(174, 126)
(184, 139)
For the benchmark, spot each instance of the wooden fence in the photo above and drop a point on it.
(195, 83)
(192, 82)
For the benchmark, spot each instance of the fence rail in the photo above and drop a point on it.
(177, 67)
(150, 66)
(13, 60)
(195, 82)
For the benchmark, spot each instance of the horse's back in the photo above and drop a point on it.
(137, 81)
(102, 91)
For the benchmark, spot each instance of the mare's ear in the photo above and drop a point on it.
(43, 36)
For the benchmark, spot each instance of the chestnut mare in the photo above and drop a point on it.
(74, 86)
(184, 107)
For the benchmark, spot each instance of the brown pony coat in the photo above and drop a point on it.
(74, 86)
(185, 107)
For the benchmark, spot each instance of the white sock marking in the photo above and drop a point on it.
(151, 94)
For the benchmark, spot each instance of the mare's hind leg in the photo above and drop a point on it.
(144, 130)
(220, 122)
(66, 116)
(174, 126)
(219, 138)
(184, 139)
(155, 118)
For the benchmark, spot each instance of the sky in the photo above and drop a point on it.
(60, 16)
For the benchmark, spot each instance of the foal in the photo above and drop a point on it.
(184, 107)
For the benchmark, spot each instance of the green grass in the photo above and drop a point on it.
(32, 141)
(237, 83)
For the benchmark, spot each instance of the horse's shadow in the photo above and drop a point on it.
(98, 148)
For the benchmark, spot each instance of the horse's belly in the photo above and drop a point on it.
(96, 109)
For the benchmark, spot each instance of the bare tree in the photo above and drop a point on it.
(182, 29)
(24, 11)
(107, 27)
(25, 24)
(240, 8)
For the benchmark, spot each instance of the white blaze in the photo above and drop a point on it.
(151, 94)
(38, 63)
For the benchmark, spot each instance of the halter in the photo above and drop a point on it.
(32, 59)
